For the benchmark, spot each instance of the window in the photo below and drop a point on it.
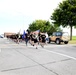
(59, 34)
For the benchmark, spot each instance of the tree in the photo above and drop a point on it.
(43, 26)
(65, 15)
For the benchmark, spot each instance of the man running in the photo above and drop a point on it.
(42, 39)
(35, 37)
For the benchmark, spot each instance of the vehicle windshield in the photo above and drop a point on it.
(58, 33)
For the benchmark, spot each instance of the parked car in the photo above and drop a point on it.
(59, 37)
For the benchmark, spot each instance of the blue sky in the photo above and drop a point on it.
(16, 15)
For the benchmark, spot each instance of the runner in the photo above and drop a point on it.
(35, 37)
(26, 38)
(42, 39)
(46, 37)
(31, 41)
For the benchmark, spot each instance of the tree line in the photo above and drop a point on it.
(64, 15)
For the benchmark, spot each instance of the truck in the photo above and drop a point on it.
(59, 37)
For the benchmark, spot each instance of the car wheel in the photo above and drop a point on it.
(66, 42)
(57, 41)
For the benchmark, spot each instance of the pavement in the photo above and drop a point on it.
(19, 59)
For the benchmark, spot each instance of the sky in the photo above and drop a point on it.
(16, 15)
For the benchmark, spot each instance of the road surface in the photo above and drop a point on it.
(19, 59)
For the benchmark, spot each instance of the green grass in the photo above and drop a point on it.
(74, 38)
(73, 41)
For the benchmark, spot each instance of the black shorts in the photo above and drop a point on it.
(35, 40)
(43, 41)
(32, 39)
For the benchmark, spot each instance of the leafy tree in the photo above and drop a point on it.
(43, 26)
(65, 15)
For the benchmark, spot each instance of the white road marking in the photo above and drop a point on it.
(60, 54)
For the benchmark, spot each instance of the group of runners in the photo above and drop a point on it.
(36, 38)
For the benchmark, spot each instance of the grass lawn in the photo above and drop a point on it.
(73, 41)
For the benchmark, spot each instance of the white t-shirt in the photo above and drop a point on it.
(46, 35)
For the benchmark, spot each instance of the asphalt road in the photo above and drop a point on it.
(19, 59)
